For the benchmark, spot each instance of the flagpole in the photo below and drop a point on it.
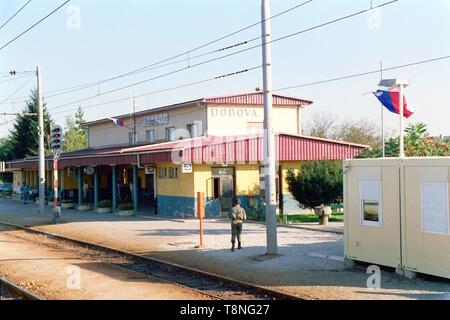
(383, 146)
(402, 119)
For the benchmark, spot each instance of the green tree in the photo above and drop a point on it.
(418, 143)
(75, 137)
(24, 137)
(318, 183)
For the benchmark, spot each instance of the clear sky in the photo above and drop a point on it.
(117, 36)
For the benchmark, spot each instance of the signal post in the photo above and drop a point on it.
(56, 146)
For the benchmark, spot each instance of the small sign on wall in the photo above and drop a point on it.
(150, 170)
(187, 168)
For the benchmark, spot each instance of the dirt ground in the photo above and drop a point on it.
(49, 271)
(310, 263)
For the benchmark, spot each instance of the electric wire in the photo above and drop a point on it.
(15, 14)
(34, 25)
(156, 65)
(228, 55)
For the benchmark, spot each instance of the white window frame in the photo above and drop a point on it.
(163, 174)
(364, 222)
(422, 213)
(147, 136)
(193, 129)
(173, 173)
(132, 138)
(170, 136)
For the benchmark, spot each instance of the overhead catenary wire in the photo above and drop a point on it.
(17, 90)
(34, 25)
(228, 55)
(157, 64)
(163, 90)
(14, 78)
(15, 14)
(361, 74)
(329, 80)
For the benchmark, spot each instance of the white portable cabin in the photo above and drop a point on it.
(397, 213)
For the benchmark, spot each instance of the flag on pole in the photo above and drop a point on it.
(391, 100)
(118, 122)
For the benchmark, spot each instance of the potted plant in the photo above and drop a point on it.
(104, 206)
(126, 209)
(84, 207)
(317, 185)
(67, 204)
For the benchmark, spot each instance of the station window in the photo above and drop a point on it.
(371, 202)
(132, 138)
(170, 134)
(173, 173)
(193, 130)
(162, 173)
(150, 135)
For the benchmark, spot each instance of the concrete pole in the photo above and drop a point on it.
(41, 130)
(269, 139)
(402, 120)
(114, 188)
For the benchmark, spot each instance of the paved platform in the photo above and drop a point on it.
(310, 263)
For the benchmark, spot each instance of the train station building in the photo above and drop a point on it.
(158, 159)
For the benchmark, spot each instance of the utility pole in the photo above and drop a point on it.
(269, 139)
(133, 99)
(41, 131)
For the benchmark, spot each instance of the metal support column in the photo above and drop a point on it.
(96, 188)
(114, 188)
(135, 188)
(80, 186)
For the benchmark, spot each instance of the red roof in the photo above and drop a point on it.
(257, 98)
(210, 150)
(219, 150)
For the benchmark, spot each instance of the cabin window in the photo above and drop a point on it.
(435, 212)
(371, 202)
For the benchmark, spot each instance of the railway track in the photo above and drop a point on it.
(208, 284)
(11, 291)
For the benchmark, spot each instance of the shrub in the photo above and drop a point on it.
(257, 210)
(318, 183)
(105, 204)
(7, 193)
(126, 207)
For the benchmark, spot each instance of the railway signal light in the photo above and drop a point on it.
(56, 139)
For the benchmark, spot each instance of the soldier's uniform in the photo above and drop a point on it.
(237, 216)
